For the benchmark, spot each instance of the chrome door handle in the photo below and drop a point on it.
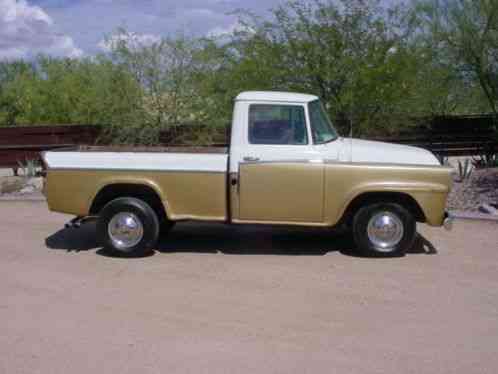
(251, 159)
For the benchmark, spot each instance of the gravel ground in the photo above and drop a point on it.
(6, 172)
(481, 187)
(219, 299)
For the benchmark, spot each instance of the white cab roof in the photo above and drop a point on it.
(275, 96)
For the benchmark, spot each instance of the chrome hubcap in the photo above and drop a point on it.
(125, 230)
(385, 231)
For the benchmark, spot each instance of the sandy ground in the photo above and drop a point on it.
(220, 299)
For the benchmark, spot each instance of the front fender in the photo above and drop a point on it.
(427, 186)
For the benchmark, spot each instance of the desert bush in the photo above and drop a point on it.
(29, 167)
(465, 170)
(487, 160)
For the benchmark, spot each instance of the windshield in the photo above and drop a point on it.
(321, 128)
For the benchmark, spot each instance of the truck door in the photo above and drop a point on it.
(281, 177)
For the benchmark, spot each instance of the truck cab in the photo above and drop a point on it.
(278, 158)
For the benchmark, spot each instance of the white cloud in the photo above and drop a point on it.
(221, 32)
(26, 30)
(131, 39)
(202, 13)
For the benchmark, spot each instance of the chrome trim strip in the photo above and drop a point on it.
(141, 170)
(385, 164)
(345, 163)
(283, 162)
(295, 102)
(281, 223)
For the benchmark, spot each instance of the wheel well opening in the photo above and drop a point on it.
(400, 198)
(138, 191)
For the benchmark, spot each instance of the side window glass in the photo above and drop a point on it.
(277, 124)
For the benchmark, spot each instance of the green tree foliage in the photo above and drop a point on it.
(171, 73)
(464, 35)
(360, 59)
(165, 72)
(70, 91)
(373, 66)
(10, 75)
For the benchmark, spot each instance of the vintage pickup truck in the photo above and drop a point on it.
(285, 165)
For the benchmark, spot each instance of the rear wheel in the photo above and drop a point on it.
(128, 227)
(384, 229)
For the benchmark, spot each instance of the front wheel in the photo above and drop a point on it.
(128, 227)
(384, 229)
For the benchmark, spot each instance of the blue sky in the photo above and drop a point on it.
(77, 27)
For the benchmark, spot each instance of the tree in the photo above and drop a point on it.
(10, 73)
(72, 91)
(350, 53)
(165, 70)
(466, 34)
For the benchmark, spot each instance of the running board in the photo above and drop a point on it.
(76, 222)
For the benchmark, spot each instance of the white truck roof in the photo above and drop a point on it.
(275, 96)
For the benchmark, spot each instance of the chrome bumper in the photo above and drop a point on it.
(448, 221)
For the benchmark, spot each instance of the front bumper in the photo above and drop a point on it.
(448, 221)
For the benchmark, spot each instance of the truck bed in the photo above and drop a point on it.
(191, 181)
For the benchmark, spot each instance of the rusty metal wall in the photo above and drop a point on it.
(444, 136)
(458, 135)
(21, 143)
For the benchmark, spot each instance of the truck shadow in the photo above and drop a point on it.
(73, 240)
(190, 237)
(252, 240)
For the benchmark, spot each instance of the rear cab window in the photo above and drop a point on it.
(275, 124)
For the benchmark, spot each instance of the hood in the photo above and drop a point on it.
(357, 150)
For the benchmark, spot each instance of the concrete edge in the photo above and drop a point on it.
(458, 214)
(37, 196)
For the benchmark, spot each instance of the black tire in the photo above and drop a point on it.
(140, 212)
(402, 241)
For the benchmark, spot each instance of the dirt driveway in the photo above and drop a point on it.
(220, 299)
